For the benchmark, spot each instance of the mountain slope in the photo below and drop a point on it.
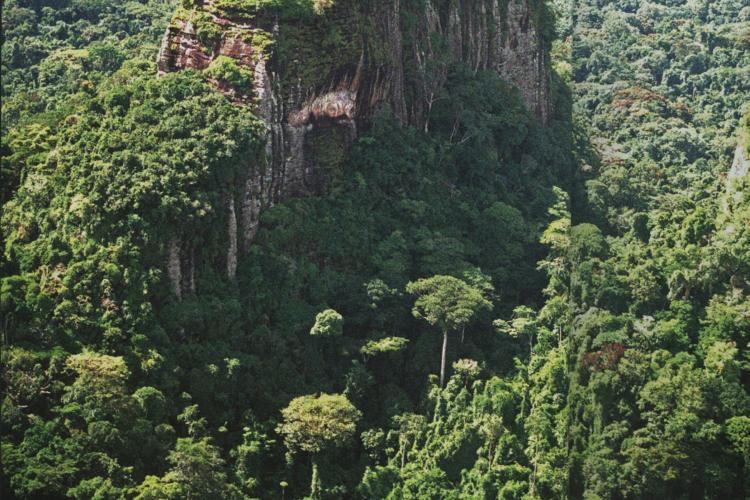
(236, 256)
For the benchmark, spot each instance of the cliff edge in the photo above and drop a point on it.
(315, 70)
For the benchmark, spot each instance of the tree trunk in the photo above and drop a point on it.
(531, 347)
(315, 484)
(442, 358)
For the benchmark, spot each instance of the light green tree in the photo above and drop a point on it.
(449, 304)
(523, 324)
(316, 423)
(328, 323)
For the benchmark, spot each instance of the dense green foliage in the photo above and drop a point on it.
(225, 69)
(54, 54)
(448, 303)
(313, 424)
(660, 338)
(593, 274)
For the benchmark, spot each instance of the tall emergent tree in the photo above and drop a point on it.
(316, 423)
(448, 303)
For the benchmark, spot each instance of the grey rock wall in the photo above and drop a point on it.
(496, 35)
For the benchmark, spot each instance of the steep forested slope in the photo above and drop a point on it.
(53, 54)
(229, 269)
(656, 290)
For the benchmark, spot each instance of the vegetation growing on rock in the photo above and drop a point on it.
(591, 272)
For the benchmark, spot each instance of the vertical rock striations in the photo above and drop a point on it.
(232, 238)
(740, 169)
(524, 60)
(740, 165)
(316, 76)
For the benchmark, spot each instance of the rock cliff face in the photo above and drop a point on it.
(740, 165)
(316, 75)
(740, 169)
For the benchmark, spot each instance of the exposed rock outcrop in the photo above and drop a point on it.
(181, 266)
(739, 169)
(523, 60)
(174, 269)
(740, 165)
(232, 238)
(309, 89)
(734, 195)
